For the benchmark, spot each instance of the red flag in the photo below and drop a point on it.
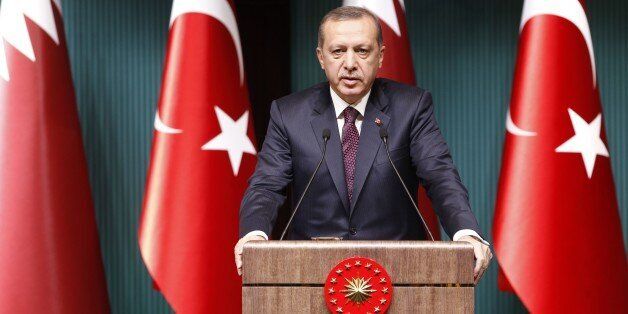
(557, 230)
(202, 156)
(398, 66)
(49, 252)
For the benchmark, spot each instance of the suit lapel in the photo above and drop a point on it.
(370, 141)
(325, 118)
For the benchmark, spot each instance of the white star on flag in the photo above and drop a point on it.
(233, 138)
(586, 141)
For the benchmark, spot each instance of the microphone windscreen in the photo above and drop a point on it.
(326, 134)
(383, 133)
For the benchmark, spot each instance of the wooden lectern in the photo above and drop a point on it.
(289, 276)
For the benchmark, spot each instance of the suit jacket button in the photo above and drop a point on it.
(353, 230)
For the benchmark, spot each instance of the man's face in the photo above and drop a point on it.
(350, 56)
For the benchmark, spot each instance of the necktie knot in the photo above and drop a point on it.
(350, 114)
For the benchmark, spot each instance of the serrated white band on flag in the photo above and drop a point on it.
(13, 29)
(384, 9)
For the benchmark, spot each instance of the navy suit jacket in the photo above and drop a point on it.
(379, 210)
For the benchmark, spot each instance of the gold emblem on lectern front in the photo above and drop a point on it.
(358, 289)
(358, 285)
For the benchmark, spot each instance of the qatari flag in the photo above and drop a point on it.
(49, 252)
(398, 66)
(202, 156)
(557, 231)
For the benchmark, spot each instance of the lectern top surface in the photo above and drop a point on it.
(420, 263)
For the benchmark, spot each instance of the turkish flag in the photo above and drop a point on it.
(557, 231)
(49, 251)
(202, 156)
(398, 66)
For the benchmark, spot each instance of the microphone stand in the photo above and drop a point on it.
(326, 136)
(383, 134)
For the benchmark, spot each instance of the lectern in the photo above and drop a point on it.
(290, 276)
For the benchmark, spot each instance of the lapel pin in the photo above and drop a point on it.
(378, 122)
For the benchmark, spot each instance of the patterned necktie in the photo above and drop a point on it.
(350, 140)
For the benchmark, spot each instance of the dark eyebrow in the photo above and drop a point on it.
(334, 47)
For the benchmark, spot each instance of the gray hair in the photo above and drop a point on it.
(345, 14)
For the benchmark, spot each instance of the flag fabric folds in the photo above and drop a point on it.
(49, 250)
(398, 66)
(557, 231)
(202, 156)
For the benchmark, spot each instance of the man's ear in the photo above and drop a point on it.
(319, 56)
(381, 55)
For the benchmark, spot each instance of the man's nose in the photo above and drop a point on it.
(350, 61)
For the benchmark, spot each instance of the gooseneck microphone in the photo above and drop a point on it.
(383, 134)
(326, 136)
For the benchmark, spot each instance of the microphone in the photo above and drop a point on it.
(383, 134)
(326, 136)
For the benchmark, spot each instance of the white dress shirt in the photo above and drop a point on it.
(340, 105)
(360, 106)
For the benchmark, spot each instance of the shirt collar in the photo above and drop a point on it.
(340, 105)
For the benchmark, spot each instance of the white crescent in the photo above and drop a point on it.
(163, 128)
(572, 11)
(218, 9)
(514, 129)
(221, 11)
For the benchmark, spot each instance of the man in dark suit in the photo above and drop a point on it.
(356, 194)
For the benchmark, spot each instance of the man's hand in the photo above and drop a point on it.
(482, 254)
(238, 249)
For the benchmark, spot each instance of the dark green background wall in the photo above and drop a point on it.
(117, 49)
(464, 52)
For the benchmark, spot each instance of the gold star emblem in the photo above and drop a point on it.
(358, 290)
(358, 285)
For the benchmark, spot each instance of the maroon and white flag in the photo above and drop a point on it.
(557, 232)
(49, 251)
(398, 66)
(202, 156)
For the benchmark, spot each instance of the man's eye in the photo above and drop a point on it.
(337, 51)
(362, 51)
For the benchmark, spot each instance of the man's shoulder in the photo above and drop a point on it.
(394, 89)
(401, 93)
(297, 99)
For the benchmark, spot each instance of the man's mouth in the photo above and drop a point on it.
(350, 80)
